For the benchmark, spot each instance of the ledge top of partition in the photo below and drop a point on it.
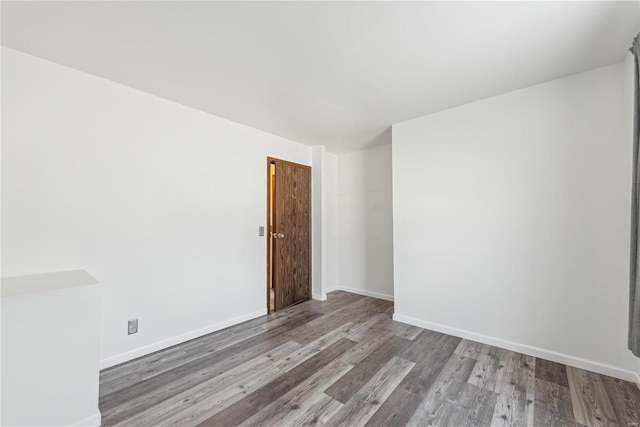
(20, 285)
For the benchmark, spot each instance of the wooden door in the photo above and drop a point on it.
(291, 233)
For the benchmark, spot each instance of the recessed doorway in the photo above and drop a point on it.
(289, 233)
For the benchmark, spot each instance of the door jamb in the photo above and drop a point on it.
(268, 233)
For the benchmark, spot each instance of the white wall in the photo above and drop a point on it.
(325, 222)
(629, 76)
(51, 340)
(160, 202)
(318, 190)
(330, 223)
(511, 220)
(365, 222)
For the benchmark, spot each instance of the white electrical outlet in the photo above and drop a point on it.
(133, 326)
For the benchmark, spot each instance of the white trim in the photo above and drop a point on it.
(91, 421)
(147, 349)
(638, 379)
(565, 359)
(319, 297)
(331, 289)
(362, 292)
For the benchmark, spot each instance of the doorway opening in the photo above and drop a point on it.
(289, 233)
(271, 295)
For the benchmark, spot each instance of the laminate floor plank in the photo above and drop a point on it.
(435, 408)
(347, 386)
(144, 368)
(430, 355)
(204, 358)
(364, 348)
(515, 385)
(551, 372)
(344, 361)
(552, 404)
(591, 405)
(404, 330)
(430, 352)
(358, 410)
(485, 372)
(397, 409)
(625, 400)
(300, 399)
(429, 342)
(318, 414)
(259, 399)
(206, 399)
(377, 324)
(124, 403)
(282, 363)
(357, 312)
(121, 376)
(305, 352)
(470, 349)
(474, 407)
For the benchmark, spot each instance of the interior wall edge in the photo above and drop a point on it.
(319, 297)
(566, 359)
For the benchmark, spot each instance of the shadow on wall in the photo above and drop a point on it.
(366, 223)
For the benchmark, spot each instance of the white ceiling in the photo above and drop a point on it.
(332, 73)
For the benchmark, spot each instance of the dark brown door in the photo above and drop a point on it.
(290, 233)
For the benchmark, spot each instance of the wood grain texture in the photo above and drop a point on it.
(370, 396)
(291, 268)
(300, 400)
(474, 407)
(625, 400)
(261, 398)
(345, 362)
(591, 404)
(439, 404)
(124, 403)
(515, 385)
(347, 386)
(552, 404)
(552, 372)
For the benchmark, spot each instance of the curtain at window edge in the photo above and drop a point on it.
(634, 286)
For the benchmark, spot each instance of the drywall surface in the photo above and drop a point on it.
(330, 222)
(511, 220)
(50, 349)
(629, 76)
(365, 222)
(317, 211)
(21, 285)
(161, 202)
(325, 222)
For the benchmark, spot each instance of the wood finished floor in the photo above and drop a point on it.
(344, 362)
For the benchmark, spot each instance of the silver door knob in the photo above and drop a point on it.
(280, 236)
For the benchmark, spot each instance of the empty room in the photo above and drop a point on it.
(339, 213)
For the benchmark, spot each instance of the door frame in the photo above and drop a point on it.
(268, 231)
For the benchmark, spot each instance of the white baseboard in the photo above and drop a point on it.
(160, 345)
(362, 292)
(92, 421)
(319, 297)
(565, 359)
